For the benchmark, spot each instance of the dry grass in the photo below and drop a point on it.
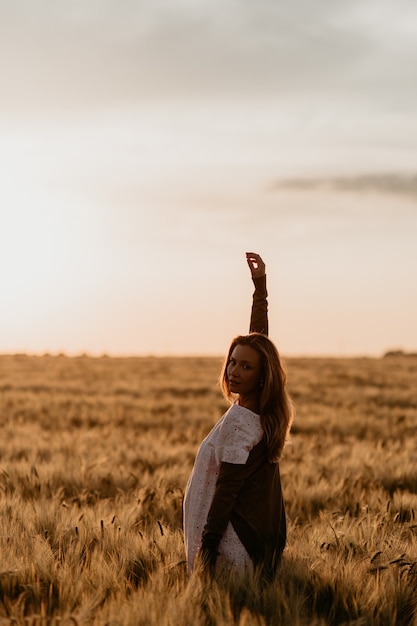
(94, 458)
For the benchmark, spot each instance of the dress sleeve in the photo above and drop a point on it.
(240, 431)
(259, 313)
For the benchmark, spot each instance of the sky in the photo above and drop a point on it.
(146, 145)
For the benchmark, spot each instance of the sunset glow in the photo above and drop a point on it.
(144, 149)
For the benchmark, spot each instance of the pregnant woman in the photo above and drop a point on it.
(233, 506)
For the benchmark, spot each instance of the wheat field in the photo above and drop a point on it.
(94, 458)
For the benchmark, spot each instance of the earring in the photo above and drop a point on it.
(261, 382)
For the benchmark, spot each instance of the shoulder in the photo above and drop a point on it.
(244, 420)
(239, 432)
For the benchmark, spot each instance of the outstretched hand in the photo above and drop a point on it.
(256, 265)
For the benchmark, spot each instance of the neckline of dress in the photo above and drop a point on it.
(243, 408)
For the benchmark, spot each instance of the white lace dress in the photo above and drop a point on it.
(230, 441)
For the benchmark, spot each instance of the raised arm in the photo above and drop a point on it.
(259, 313)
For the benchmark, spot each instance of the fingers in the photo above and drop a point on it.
(256, 264)
(253, 258)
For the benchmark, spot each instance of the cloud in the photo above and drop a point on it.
(383, 183)
(102, 51)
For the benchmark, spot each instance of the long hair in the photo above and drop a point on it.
(276, 409)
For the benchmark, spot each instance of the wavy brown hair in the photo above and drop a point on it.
(276, 408)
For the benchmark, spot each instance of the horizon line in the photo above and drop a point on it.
(191, 355)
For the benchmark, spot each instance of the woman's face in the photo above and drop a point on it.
(244, 372)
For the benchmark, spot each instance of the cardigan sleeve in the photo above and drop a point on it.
(229, 482)
(231, 478)
(259, 313)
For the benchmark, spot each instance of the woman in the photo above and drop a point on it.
(233, 506)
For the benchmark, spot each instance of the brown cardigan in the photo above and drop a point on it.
(249, 495)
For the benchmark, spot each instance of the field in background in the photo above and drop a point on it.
(94, 458)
